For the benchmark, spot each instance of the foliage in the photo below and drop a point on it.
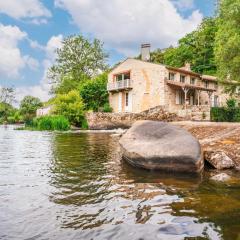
(49, 123)
(196, 48)
(107, 108)
(71, 106)
(230, 113)
(94, 92)
(29, 106)
(231, 103)
(227, 44)
(78, 59)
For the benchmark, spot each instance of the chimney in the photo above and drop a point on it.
(145, 52)
(187, 66)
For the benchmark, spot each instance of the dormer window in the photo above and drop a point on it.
(171, 76)
(182, 78)
(193, 81)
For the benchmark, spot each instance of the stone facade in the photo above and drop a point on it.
(135, 86)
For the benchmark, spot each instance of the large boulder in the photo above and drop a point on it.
(162, 146)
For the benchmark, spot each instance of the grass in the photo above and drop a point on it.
(48, 123)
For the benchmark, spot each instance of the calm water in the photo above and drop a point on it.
(75, 186)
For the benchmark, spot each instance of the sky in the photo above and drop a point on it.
(32, 30)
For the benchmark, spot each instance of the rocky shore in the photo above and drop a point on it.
(216, 137)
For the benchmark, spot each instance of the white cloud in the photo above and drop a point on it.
(25, 9)
(42, 89)
(12, 60)
(124, 24)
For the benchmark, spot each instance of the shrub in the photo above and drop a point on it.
(107, 108)
(50, 123)
(224, 114)
(70, 106)
(231, 103)
(94, 92)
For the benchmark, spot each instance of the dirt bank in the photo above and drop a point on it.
(216, 136)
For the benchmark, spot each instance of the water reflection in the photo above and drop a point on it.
(75, 186)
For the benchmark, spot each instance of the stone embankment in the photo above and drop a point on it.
(100, 121)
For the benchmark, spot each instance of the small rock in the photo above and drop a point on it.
(218, 159)
(222, 177)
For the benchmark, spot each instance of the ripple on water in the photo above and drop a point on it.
(75, 186)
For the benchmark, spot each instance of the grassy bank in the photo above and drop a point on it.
(47, 123)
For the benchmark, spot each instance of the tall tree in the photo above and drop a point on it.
(227, 45)
(196, 48)
(78, 59)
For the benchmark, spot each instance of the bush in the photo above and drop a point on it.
(225, 114)
(94, 92)
(49, 123)
(107, 108)
(71, 106)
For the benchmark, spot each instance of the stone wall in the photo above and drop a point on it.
(99, 120)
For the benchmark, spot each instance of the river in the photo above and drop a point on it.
(75, 186)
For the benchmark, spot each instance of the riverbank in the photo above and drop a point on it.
(216, 136)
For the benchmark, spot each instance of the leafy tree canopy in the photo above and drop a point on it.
(78, 59)
(227, 45)
(196, 48)
(94, 92)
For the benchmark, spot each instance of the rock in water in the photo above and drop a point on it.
(159, 145)
(222, 177)
(218, 159)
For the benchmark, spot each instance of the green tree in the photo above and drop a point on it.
(196, 48)
(71, 106)
(227, 45)
(29, 106)
(78, 59)
(94, 92)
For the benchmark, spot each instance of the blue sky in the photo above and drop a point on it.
(31, 30)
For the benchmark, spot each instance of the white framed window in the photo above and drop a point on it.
(171, 76)
(193, 81)
(122, 76)
(182, 78)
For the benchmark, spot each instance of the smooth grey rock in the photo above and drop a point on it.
(218, 159)
(221, 177)
(162, 146)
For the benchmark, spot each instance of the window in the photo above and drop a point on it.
(206, 84)
(193, 81)
(216, 85)
(127, 99)
(122, 76)
(171, 76)
(182, 78)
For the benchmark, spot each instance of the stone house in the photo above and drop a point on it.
(137, 85)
